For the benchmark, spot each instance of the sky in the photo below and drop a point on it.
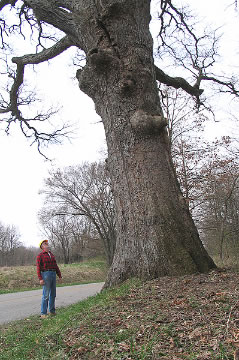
(23, 169)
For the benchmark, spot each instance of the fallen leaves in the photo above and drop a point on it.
(192, 317)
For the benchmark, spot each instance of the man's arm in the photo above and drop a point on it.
(38, 264)
(58, 271)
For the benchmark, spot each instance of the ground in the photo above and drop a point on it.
(190, 317)
(194, 317)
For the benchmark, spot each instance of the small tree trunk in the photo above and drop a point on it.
(65, 253)
(155, 232)
(108, 239)
(222, 237)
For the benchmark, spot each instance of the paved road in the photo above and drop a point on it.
(16, 306)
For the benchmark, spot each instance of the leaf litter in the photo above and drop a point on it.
(194, 317)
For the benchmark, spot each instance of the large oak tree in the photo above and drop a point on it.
(155, 232)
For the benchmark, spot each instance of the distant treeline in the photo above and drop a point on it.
(21, 255)
(18, 256)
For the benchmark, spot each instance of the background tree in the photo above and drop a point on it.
(220, 201)
(208, 176)
(72, 237)
(25, 256)
(155, 232)
(9, 243)
(186, 130)
(185, 120)
(82, 191)
(58, 229)
(12, 251)
(207, 173)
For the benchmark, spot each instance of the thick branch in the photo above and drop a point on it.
(13, 103)
(46, 54)
(54, 14)
(15, 89)
(7, 2)
(177, 82)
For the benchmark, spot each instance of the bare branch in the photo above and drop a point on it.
(195, 53)
(177, 82)
(167, 17)
(14, 101)
(229, 86)
(46, 54)
(18, 80)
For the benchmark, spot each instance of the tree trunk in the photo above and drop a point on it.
(155, 232)
(65, 251)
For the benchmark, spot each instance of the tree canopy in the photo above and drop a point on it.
(51, 27)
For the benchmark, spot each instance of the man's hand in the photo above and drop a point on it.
(60, 280)
(42, 282)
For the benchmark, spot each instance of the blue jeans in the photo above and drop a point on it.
(49, 292)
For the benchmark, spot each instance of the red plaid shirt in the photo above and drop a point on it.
(46, 261)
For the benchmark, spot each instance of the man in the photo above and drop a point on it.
(46, 271)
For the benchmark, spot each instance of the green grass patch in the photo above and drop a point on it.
(24, 278)
(36, 338)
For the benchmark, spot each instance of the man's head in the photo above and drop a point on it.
(44, 245)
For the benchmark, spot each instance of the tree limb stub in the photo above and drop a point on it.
(177, 82)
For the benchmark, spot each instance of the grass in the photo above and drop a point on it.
(34, 338)
(192, 318)
(22, 278)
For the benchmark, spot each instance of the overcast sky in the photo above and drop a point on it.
(23, 169)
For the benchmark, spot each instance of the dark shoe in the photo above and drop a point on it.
(52, 314)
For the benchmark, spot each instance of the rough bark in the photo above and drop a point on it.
(155, 232)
